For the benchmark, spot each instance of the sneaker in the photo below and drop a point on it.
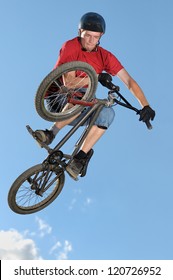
(45, 136)
(79, 166)
(74, 168)
(86, 161)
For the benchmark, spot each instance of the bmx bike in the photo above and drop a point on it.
(58, 99)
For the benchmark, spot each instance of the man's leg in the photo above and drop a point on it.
(79, 163)
(104, 120)
(93, 136)
(47, 136)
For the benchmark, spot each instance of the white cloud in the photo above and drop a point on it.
(14, 246)
(60, 250)
(72, 204)
(78, 202)
(88, 201)
(43, 227)
(55, 247)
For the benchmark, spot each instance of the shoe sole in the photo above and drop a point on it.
(72, 174)
(40, 136)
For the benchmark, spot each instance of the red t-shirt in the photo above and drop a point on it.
(101, 59)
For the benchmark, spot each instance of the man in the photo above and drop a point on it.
(86, 48)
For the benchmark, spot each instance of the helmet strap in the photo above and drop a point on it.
(79, 32)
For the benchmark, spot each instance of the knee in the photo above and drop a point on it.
(105, 117)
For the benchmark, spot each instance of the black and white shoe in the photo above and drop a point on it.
(79, 166)
(45, 136)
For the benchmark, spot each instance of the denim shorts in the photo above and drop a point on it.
(104, 119)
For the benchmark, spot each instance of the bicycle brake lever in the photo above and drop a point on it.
(111, 86)
(107, 83)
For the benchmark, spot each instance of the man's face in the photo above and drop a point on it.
(89, 39)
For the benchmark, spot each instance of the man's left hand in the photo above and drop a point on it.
(147, 114)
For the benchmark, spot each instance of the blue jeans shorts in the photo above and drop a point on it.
(104, 119)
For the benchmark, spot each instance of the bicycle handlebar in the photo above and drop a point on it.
(115, 89)
(149, 125)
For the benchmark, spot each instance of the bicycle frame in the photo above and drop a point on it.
(43, 182)
(96, 106)
(95, 110)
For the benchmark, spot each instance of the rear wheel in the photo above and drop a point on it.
(26, 196)
(52, 97)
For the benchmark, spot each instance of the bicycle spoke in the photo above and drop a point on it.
(35, 189)
(60, 86)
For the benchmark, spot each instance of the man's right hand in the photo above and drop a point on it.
(105, 79)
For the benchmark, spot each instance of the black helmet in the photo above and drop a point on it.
(92, 22)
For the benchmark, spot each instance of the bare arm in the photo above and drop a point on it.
(133, 87)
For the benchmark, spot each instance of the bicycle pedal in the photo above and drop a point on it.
(74, 178)
(34, 136)
(40, 144)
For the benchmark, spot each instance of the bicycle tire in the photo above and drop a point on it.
(52, 80)
(22, 197)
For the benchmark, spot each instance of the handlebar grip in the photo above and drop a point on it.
(149, 125)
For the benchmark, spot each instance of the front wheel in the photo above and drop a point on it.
(35, 189)
(72, 80)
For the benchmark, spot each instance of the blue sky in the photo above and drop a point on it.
(123, 208)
